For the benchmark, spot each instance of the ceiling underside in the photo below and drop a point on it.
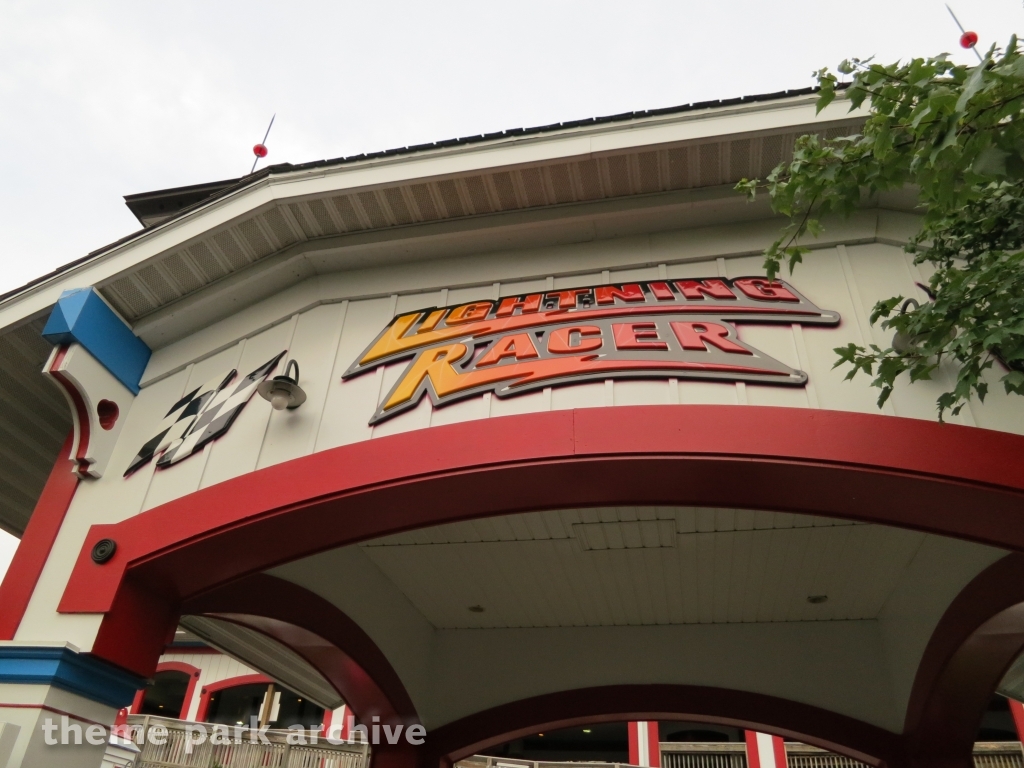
(268, 656)
(219, 253)
(34, 421)
(635, 566)
(579, 583)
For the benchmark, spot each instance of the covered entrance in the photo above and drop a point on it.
(555, 569)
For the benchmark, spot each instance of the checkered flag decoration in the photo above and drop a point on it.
(204, 414)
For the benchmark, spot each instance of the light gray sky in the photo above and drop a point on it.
(107, 98)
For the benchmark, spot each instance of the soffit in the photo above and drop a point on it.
(282, 225)
(636, 566)
(34, 421)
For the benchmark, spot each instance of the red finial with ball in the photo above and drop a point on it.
(260, 150)
(968, 39)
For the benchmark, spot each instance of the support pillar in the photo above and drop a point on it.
(1017, 710)
(644, 746)
(765, 750)
(62, 702)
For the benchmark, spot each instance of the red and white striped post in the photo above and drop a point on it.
(644, 749)
(765, 750)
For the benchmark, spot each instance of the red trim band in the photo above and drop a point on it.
(23, 574)
(888, 470)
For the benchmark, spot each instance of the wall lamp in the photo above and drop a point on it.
(905, 344)
(283, 391)
(902, 343)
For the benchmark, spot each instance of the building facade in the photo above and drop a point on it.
(504, 434)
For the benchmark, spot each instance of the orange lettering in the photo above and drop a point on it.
(607, 294)
(561, 340)
(661, 291)
(762, 289)
(431, 321)
(702, 336)
(567, 299)
(525, 305)
(435, 364)
(698, 289)
(637, 336)
(467, 313)
(519, 345)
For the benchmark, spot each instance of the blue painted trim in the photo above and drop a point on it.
(82, 316)
(78, 673)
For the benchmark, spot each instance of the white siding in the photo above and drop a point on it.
(325, 337)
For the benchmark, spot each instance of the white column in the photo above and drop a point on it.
(50, 721)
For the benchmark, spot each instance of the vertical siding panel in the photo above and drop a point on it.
(822, 278)
(314, 346)
(350, 403)
(236, 452)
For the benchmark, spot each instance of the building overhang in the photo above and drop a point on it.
(228, 245)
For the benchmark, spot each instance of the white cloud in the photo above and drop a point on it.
(103, 99)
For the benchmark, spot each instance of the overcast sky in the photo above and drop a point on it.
(103, 99)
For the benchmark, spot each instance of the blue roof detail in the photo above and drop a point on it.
(78, 673)
(82, 316)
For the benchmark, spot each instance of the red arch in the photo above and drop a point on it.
(192, 672)
(615, 703)
(332, 643)
(963, 662)
(172, 666)
(974, 644)
(321, 634)
(892, 471)
(231, 682)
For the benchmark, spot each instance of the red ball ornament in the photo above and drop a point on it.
(259, 150)
(968, 39)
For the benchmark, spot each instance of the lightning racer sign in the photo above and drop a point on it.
(662, 329)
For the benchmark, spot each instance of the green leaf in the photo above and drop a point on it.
(827, 83)
(990, 162)
(972, 86)
(954, 135)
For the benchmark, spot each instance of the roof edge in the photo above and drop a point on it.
(235, 185)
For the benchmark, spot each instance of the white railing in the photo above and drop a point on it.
(481, 761)
(169, 743)
(172, 747)
(703, 755)
(993, 754)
